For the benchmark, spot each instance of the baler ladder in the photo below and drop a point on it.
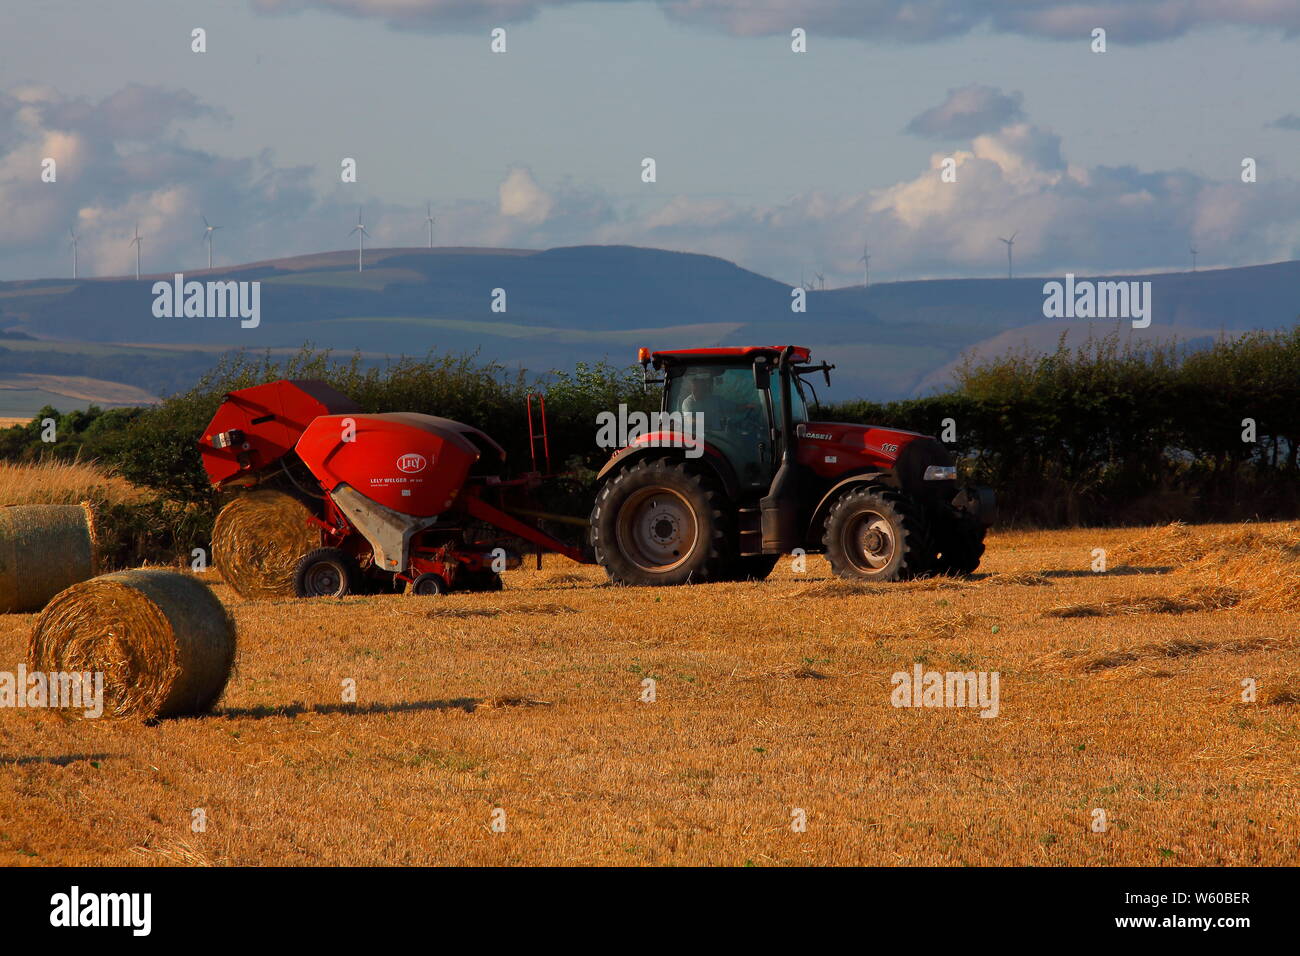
(533, 435)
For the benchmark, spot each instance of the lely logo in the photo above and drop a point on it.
(412, 463)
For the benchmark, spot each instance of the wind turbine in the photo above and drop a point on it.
(137, 242)
(361, 237)
(430, 220)
(866, 266)
(73, 243)
(208, 230)
(821, 281)
(1193, 251)
(1010, 242)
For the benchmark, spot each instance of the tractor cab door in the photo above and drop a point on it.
(729, 410)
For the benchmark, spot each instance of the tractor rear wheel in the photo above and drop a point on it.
(960, 543)
(326, 572)
(659, 523)
(875, 534)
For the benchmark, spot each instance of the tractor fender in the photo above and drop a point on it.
(712, 462)
(823, 506)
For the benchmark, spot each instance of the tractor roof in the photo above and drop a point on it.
(723, 353)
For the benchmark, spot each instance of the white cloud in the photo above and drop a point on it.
(521, 198)
(1133, 21)
(121, 161)
(968, 111)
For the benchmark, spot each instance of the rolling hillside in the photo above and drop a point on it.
(588, 303)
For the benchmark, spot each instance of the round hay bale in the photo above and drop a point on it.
(258, 539)
(162, 640)
(43, 549)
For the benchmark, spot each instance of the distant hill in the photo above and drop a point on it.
(587, 303)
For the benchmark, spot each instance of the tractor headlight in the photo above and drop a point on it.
(941, 473)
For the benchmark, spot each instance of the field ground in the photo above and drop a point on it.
(1120, 691)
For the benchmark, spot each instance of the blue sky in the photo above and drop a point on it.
(784, 162)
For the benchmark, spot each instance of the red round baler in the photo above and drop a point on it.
(399, 498)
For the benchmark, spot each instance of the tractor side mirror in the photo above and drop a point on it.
(762, 373)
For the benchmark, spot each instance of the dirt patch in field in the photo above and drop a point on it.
(1203, 598)
(839, 588)
(1169, 649)
(454, 613)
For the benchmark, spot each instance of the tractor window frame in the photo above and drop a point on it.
(816, 401)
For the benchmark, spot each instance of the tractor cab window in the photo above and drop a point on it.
(727, 398)
(798, 406)
(734, 412)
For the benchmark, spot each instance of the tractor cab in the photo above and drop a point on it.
(731, 400)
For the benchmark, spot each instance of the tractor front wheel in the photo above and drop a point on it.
(659, 523)
(326, 572)
(875, 534)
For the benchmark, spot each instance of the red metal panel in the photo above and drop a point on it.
(271, 417)
(800, 353)
(833, 448)
(415, 464)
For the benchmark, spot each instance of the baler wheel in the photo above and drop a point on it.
(875, 534)
(326, 572)
(428, 585)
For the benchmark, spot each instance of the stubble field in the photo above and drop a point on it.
(1119, 691)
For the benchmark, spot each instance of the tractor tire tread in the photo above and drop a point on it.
(715, 560)
(915, 538)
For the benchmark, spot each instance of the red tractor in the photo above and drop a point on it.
(722, 502)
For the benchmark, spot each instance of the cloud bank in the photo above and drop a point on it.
(121, 161)
(917, 21)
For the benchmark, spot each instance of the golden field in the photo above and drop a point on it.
(1120, 691)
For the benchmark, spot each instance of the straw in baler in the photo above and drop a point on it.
(257, 541)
